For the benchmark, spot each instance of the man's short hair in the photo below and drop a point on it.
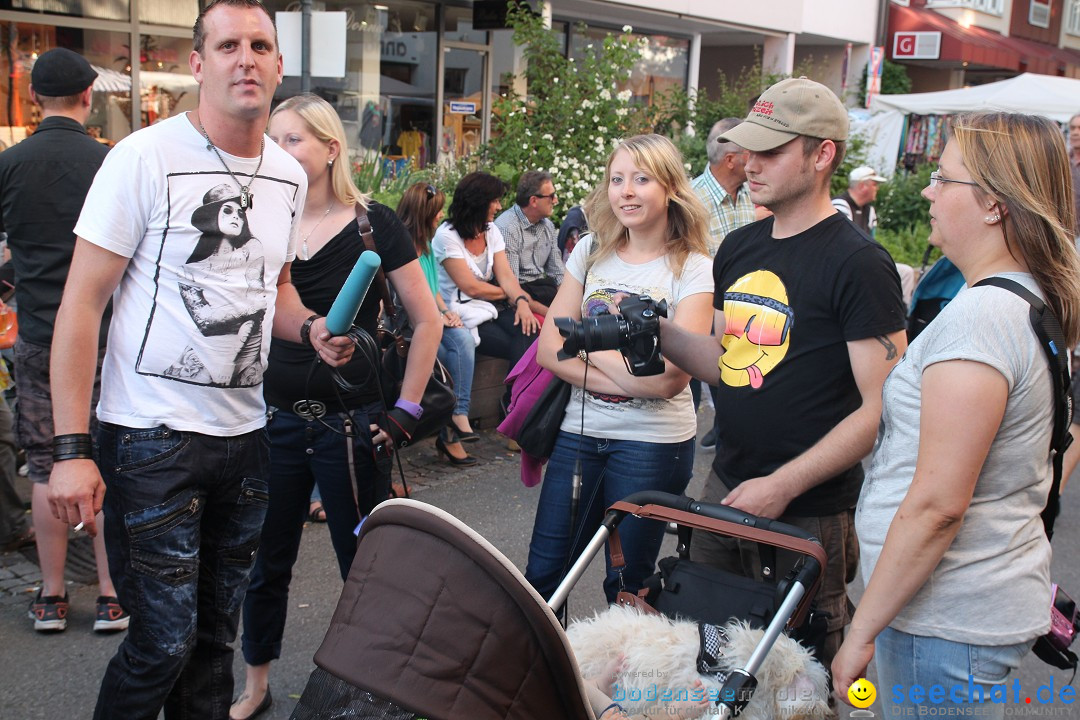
(811, 144)
(714, 148)
(198, 35)
(529, 185)
(64, 102)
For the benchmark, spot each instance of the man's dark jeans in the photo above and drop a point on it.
(183, 513)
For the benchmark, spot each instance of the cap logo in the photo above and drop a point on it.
(763, 107)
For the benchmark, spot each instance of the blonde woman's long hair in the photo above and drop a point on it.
(687, 227)
(324, 123)
(1022, 161)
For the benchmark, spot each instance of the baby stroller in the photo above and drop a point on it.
(436, 623)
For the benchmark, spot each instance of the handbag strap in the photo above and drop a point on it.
(1052, 340)
(367, 236)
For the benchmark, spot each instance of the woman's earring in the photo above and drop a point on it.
(330, 162)
(992, 218)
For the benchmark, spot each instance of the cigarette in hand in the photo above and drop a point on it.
(77, 528)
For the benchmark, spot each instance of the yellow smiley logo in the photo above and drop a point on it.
(862, 693)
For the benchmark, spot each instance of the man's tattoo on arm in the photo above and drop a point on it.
(890, 348)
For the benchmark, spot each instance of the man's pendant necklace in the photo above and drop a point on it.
(245, 194)
(313, 227)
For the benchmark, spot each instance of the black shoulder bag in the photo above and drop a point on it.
(1052, 648)
(438, 400)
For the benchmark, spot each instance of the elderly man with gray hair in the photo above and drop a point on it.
(726, 195)
(532, 247)
(722, 187)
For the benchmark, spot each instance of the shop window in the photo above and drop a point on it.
(98, 9)
(166, 87)
(458, 26)
(1039, 14)
(990, 7)
(21, 45)
(1072, 18)
(663, 65)
(181, 13)
(386, 100)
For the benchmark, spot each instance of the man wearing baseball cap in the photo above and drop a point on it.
(43, 182)
(808, 322)
(857, 202)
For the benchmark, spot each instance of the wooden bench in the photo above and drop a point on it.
(487, 389)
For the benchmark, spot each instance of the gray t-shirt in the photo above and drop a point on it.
(992, 587)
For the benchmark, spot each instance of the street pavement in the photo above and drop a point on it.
(55, 677)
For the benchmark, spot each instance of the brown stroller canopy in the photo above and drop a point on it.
(437, 621)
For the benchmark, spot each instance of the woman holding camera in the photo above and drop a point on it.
(628, 432)
(948, 521)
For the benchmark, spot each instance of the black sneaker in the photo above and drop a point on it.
(710, 438)
(110, 616)
(49, 613)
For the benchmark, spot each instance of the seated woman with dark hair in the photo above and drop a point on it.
(475, 279)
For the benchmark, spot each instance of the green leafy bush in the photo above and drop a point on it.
(574, 113)
(907, 245)
(900, 203)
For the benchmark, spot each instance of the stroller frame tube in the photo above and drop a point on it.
(596, 544)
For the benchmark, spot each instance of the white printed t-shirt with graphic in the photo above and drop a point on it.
(193, 313)
(616, 417)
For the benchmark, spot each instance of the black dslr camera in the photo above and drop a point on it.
(635, 332)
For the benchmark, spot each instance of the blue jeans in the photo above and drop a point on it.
(350, 485)
(904, 660)
(620, 468)
(457, 352)
(183, 512)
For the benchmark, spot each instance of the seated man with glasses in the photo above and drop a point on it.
(532, 241)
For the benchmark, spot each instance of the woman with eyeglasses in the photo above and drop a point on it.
(421, 211)
(317, 429)
(952, 544)
(630, 432)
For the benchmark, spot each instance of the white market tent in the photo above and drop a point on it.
(1057, 98)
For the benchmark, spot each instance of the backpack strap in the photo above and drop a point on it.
(1052, 340)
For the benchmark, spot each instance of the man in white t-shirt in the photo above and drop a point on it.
(189, 227)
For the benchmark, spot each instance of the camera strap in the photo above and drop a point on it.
(1052, 340)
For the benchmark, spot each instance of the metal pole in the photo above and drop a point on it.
(305, 45)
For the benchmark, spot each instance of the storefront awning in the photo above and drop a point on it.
(978, 46)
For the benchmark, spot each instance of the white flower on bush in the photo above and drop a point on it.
(621, 112)
(627, 29)
(546, 136)
(605, 94)
(586, 103)
(625, 95)
(602, 130)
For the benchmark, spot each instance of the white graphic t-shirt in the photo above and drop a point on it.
(192, 316)
(617, 417)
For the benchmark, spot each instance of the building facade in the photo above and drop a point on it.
(421, 76)
(946, 44)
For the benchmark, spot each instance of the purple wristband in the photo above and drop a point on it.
(410, 407)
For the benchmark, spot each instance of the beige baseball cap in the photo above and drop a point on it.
(788, 109)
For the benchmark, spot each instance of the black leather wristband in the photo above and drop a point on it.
(519, 298)
(74, 446)
(305, 329)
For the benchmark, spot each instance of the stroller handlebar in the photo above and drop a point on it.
(716, 512)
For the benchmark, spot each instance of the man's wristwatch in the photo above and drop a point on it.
(305, 329)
